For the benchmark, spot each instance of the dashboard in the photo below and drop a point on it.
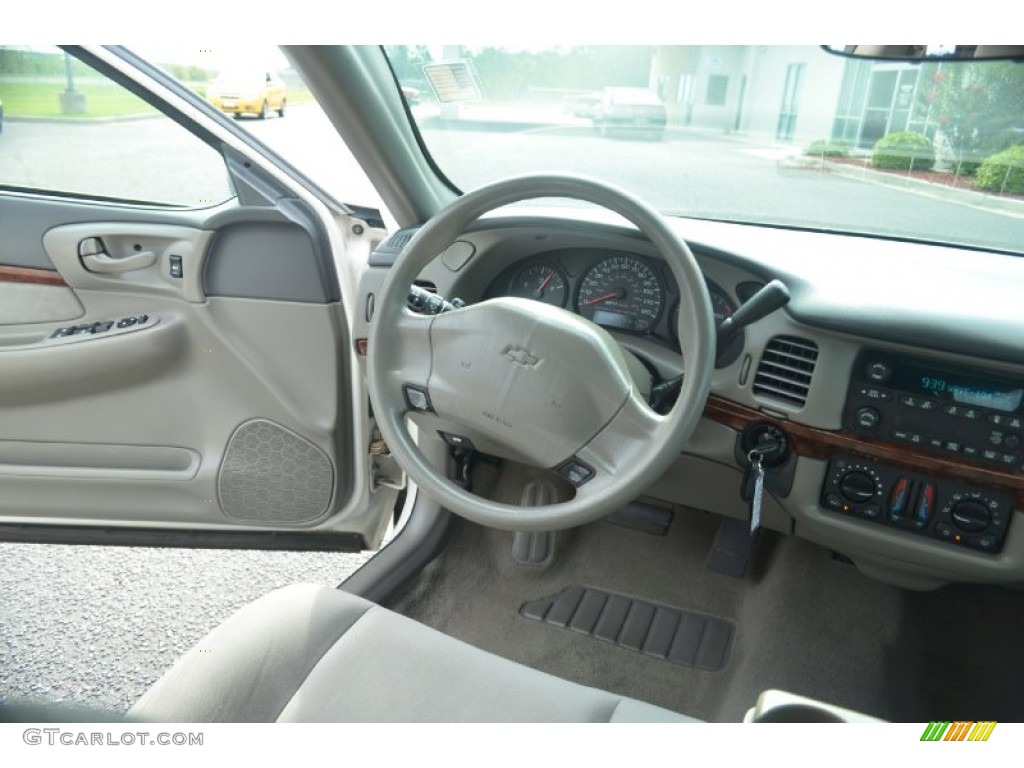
(901, 412)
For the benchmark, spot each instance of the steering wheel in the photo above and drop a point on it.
(527, 381)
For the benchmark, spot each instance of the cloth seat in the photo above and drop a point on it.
(309, 653)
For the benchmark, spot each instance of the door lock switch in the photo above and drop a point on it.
(176, 267)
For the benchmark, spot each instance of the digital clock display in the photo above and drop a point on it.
(971, 389)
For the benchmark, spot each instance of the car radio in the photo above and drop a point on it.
(972, 414)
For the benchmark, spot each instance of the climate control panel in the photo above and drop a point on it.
(946, 510)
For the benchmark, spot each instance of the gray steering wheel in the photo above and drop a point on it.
(526, 381)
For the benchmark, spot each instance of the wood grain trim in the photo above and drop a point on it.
(10, 274)
(824, 444)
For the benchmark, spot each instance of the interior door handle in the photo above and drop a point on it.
(102, 262)
(95, 258)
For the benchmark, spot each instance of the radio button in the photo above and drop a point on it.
(936, 442)
(907, 400)
(990, 455)
(1012, 442)
(951, 410)
(867, 418)
(873, 393)
(952, 446)
(995, 438)
(928, 405)
(971, 451)
(915, 439)
(1010, 459)
(1014, 422)
(900, 435)
(971, 413)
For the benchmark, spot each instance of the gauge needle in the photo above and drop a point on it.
(617, 294)
(543, 283)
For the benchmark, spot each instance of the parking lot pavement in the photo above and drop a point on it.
(98, 625)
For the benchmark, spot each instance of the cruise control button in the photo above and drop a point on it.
(576, 472)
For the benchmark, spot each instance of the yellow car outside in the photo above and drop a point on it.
(248, 94)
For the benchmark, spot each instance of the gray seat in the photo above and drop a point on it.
(314, 654)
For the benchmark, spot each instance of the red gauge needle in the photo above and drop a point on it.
(613, 295)
(543, 283)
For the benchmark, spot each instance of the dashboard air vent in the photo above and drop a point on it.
(785, 370)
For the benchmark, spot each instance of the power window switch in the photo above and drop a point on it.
(103, 326)
(177, 269)
(126, 322)
(62, 332)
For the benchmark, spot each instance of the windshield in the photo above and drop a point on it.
(778, 135)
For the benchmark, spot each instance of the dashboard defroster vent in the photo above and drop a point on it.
(785, 370)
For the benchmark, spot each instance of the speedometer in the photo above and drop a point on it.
(621, 292)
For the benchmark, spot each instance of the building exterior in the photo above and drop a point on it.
(763, 91)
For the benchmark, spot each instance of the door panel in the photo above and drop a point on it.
(179, 375)
(213, 412)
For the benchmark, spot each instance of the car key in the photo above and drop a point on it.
(756, 473)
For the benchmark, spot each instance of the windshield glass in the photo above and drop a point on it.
(781, 135)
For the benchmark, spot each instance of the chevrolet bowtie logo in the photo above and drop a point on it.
(520, 355)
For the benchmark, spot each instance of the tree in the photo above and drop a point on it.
(979, 108)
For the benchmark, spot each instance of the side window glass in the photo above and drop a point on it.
(68, 130)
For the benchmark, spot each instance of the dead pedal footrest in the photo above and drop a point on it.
(660, 631)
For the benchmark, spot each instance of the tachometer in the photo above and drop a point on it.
(621, 292)
(541, 281)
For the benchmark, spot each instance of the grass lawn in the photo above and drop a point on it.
(43, 100)
(102, 99)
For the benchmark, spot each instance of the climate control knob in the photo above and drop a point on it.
(857, 487)
(971, 516)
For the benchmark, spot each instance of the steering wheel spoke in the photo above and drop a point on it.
(406, 357)
(620, 445)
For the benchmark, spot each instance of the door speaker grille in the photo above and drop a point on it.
(272, 475)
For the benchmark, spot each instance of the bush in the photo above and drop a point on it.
(1002, 172)
(904, 152)
(822, 148)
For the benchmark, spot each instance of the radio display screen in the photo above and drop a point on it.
(957, 387)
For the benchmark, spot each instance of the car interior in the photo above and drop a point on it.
(635, 467)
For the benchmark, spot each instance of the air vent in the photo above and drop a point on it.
(785, 370)
(384, 255)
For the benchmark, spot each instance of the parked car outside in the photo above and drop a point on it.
(630, 111)
(242, 93)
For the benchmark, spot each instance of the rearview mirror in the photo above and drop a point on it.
(929, 52)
